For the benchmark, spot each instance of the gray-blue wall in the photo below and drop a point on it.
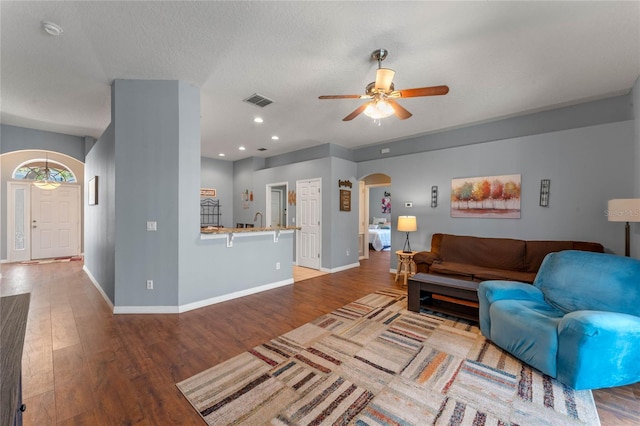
(100, 219)
(147, 152)
(13, 140)
(18, 138)
(587, 166)
(343, 226)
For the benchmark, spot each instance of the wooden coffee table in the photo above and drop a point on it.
(444, 294)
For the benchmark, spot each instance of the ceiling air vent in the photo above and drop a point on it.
(258, 100)
(262, 149)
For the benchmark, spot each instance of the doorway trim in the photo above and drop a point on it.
(267, 216)
(372, 180)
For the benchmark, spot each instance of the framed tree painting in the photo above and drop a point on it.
(486, 197)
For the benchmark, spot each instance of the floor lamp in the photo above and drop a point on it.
(407, 224)
(624, 210)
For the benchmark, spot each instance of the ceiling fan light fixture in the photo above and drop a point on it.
(384, 78)
(379, 109)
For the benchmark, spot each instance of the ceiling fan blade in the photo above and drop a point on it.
(356, 113)
(422, 91)
(340, 97)
(384, 78)
(399, 110)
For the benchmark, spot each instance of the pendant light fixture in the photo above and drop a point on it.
(45, 180)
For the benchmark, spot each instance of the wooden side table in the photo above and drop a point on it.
(406, 265)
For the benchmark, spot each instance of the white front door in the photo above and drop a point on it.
(309, 220)
(55, 222)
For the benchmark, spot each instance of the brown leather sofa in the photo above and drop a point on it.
(480, 258)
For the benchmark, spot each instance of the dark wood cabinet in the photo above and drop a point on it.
(13, 323)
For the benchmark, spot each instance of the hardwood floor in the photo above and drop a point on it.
(82, 365)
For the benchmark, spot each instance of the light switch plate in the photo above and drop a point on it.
(152, 226)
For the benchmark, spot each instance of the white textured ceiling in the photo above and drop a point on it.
(498, 58)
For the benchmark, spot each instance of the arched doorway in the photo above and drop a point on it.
(42, 220)
(375, 202)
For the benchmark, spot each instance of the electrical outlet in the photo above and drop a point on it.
(347, 252)
(277, 265)
(149, 284)
(152, 226)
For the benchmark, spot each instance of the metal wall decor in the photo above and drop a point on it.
(434, 196)
(544, 192)
(210, 212)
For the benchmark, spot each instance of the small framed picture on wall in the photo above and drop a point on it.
(345, 200)
(92, 194)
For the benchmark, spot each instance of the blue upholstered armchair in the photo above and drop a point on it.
(579, 322)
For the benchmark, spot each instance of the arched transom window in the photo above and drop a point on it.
(34, 169)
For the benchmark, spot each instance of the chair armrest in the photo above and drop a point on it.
(492, 291)
(495, 290)
(598, 349)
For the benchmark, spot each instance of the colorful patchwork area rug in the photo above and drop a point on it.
(372, 362)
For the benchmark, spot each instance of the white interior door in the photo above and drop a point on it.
(55, 222)
(277, 216)
(18, 227)
(309, 220)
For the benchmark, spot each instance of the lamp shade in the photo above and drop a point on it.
(407, 223)
(624, 210)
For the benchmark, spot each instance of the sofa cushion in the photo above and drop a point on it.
(499, 253)
(586, 246)
(537, 250)
(481, 272)
(606, 282)
(527, 329)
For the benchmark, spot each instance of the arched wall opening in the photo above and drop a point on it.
(11, 161)
(375, 204)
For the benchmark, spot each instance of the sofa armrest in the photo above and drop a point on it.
(492, 291)
(427, 257)
(598, 349)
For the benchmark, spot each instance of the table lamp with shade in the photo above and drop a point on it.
(407, 224)
(624, 210)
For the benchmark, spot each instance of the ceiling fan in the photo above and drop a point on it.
(383, 94)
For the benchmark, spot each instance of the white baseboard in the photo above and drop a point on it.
(234, 295)
(200, 303)
(341, 268)
(97, 286)
(145, 310)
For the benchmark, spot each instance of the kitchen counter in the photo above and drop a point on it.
(214, 230)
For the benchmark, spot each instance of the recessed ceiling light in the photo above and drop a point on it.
(258, 120)
(221, 154)
(274, 137)
(51, 28)
(241, 148)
